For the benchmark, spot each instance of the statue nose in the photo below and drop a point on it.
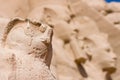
(114, 56)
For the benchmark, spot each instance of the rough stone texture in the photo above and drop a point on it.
(84, 40)
(99, 5)
(114, 18)
(113, 6)
(14, 8)
(36, 3)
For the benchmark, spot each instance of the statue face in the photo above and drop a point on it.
(99, 49)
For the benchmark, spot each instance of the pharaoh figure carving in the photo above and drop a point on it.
(25, 45)
(26, 51)
(100, 58)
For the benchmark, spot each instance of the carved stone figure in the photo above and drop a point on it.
(81, 50)
(65, 44)
(26, 51)
(93, 49)
(94, 44)
(57, 16)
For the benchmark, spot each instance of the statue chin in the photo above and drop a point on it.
(109, 70)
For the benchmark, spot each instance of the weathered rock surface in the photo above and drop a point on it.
(14, 8)
(99, 5)
(114, 18)
(84, 40)
(113, 6)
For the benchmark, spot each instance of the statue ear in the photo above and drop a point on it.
(89, 44)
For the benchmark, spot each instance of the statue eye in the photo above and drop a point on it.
(108, 49)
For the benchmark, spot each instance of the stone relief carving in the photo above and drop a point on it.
(95, 46)
(81, 51)
(93, 38)
(26, 51)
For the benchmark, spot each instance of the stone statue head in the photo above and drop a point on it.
(29, 37)
(25, 51)
(99, 51)
(94, 43)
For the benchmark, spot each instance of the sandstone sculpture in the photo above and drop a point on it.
(111, 12)
(26, 51)
(80, 46)
(62, 39)
(91, 45)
